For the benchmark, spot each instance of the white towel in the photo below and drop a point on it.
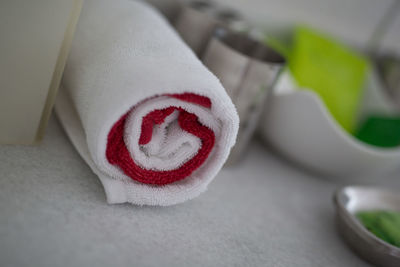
(151, 121)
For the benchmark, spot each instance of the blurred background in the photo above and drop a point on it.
(353, 21)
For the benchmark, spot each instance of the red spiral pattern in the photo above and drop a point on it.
(117, 153)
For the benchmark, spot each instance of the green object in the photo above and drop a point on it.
(383, 224)
(336, 73)
(380, 131)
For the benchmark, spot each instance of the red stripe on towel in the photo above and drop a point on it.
(193, 98)
(118, 154)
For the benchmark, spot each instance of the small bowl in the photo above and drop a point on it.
(298, 124)
(352, 199)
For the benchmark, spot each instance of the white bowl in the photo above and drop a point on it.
(298, 124)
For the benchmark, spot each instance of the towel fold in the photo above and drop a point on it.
(151, 121)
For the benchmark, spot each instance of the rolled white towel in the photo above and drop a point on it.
(151, 121)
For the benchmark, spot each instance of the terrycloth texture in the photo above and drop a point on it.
(263, 212)
(151, 121)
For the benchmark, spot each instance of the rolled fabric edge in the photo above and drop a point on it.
(118, 154)
(127, 61)
(124, 189)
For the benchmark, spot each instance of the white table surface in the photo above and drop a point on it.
(263, 212)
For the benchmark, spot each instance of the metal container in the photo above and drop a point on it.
(352, 199)
(247, 69)
(197, 21)
(389, 70)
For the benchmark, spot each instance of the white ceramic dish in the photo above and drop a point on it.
(352, 199)
(298, 124)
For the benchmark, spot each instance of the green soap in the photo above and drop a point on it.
(371, 222)
(336, 73)
(380, 131)
(383, 224)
